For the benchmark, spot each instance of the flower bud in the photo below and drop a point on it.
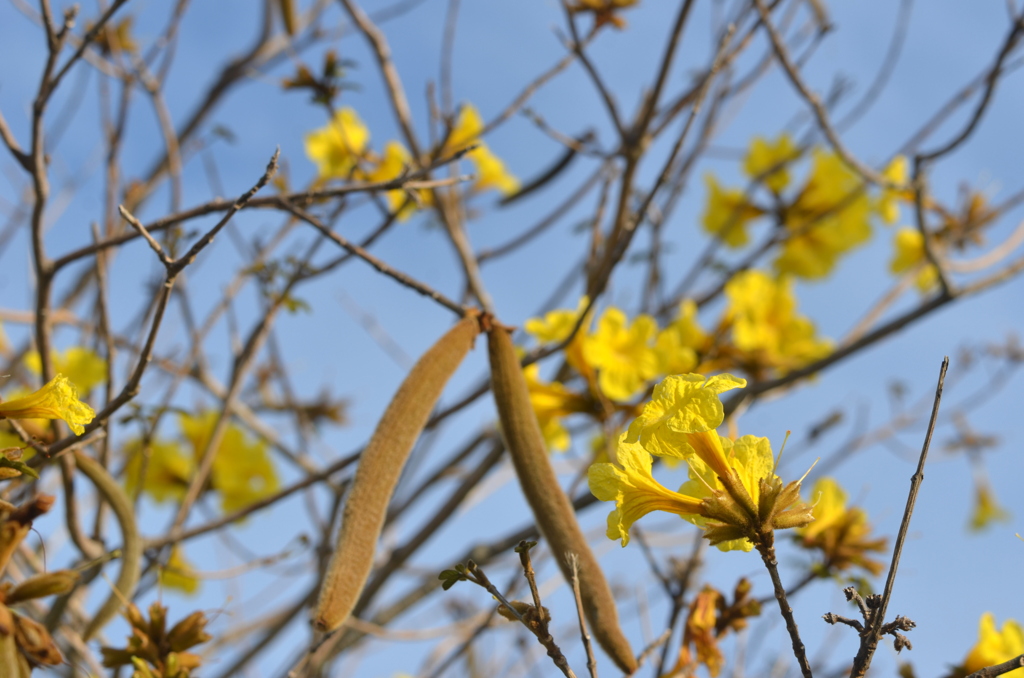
(46, 584)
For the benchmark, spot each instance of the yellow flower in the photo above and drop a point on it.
(841, 534)
(673, 356)
(634, 490)
(727, 213)
(733, 492)
(390, 166)
(995, 647)
(829, 507)
(490, 170)
(467, 129)
(57, 400)
(749, 457)
(337, 147)
(555, 327)
(909, 255)
(683, 408)
(986, 509)
(622, 353)
(551, 402)
(80, 365)
(242, 470)
(178, 574)
(677, 345)
(888, 206)
(771, 158)
(168, 470)
(830, 217)
(766, 326)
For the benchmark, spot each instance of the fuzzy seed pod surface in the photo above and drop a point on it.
(551, 507)
(379, 469)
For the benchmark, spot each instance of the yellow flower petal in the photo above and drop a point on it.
(57, 400)
(986, 509)
(995, 646)
(622, 353)
(337, 147)
(178, 574)
(765, 156)
(82, 366)
(830, 217)
(242, 470)
(681, 404)
(168, 469)
(634, 490)
(727, 213)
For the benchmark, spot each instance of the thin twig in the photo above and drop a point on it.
(869, 640)
(574, 562)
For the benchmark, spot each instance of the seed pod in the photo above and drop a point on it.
(379, 469)
(551, 507)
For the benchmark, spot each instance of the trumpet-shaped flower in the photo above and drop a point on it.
(767, 161)
(887, 206)
(622, 353)
(80, 365)
(995, 646)
(727, 213)
(178, 574)
(909, 256)
(830, 217)
(733, 492)
(390, 165)
(491, 172)
(630, 484)
(159, 468)
(766, 326)
(678, 344)
(337, 147)
(986, 509)
(56, 400)
(840, 533)
(242, 470)
(556, 326)
(490, 169)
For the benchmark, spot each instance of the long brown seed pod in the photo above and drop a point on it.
(379, 468)
(551, 507)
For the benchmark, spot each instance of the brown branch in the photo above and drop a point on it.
(874, 633)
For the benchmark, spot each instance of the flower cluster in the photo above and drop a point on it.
(341, 150)
(155, 651)
(956, 231)
(733, 492)
(760, 332)
(242, 470)
(841, 534)
(827, 217)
